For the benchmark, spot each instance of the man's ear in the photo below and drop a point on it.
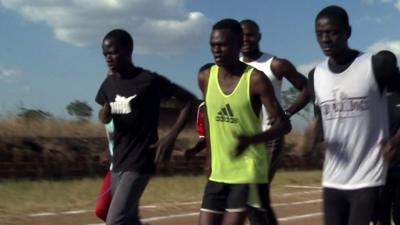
(349, 32)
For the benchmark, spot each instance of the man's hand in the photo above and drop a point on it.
(189, 153)
(105, 158)
(164, 147)
(242, 145)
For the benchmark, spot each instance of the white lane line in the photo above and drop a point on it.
(42, 214)
(303, 216)
(157, 218)
(304, 186)
(78, 211)
(86, 211)
(188, 203)
(173, 216)
(302, 193)
(297, 203)
(75, 212)
(283, 219)
(147, 207)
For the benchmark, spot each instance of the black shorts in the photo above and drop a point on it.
(222, 197)
(354, 206)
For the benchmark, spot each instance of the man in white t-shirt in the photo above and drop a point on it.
(349, 93)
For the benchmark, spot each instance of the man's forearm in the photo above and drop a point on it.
(300, 102)
(278, 129)
(104, 117)
(182, 118)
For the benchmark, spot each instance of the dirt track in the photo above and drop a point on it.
(296, 206)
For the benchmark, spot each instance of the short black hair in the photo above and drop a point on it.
(334, 12)
(122, 37)
(229, 24)
(251, 23)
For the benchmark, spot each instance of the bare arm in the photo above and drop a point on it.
(203, 77)
(314, 132)
(262, 91)
(387, 75)
(165, 144)
(285, 69)
(198, 147)
(105, 113)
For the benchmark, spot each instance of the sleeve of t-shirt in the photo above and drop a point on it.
(101, 97)
(200, 121)
(167, 88)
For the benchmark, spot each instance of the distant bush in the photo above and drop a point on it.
(79, 109)
(33, 114)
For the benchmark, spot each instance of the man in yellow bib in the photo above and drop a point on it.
(234, 94)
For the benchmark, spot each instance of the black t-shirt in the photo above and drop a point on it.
(135, 106)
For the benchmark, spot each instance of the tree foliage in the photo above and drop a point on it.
(79, 109)
(33, 114)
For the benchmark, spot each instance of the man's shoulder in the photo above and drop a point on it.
(384, 57)
(149, 75)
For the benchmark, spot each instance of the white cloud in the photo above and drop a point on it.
(396, 3)
(9, 74)
(306, 68)
(393, 46)
(370, 19)
(158, 27)
(26, 88)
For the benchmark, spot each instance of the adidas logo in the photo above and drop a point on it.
(226, 115)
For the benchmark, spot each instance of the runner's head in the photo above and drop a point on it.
(117, 49)
(251, 37)
(226, 41)
(332, 29)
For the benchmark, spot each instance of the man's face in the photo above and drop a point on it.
(331, 36)
(116, 56)
(225, 46)
(251, 38)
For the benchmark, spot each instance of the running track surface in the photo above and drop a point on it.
(298, 205)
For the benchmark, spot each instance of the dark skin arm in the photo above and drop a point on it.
(262, 92)
(282, 68)
(203, 81)
(165, 144)
(314, 132)
(105, 113)
(198, 147)
(387, 75)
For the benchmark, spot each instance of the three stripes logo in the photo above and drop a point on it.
(226, 115)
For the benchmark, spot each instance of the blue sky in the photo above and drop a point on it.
(51, 55)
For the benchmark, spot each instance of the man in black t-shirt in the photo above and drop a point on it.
(131, 98)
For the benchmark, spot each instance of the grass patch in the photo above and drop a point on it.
(24, 197)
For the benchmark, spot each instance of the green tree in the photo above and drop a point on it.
(33, 114)
(79, 109)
